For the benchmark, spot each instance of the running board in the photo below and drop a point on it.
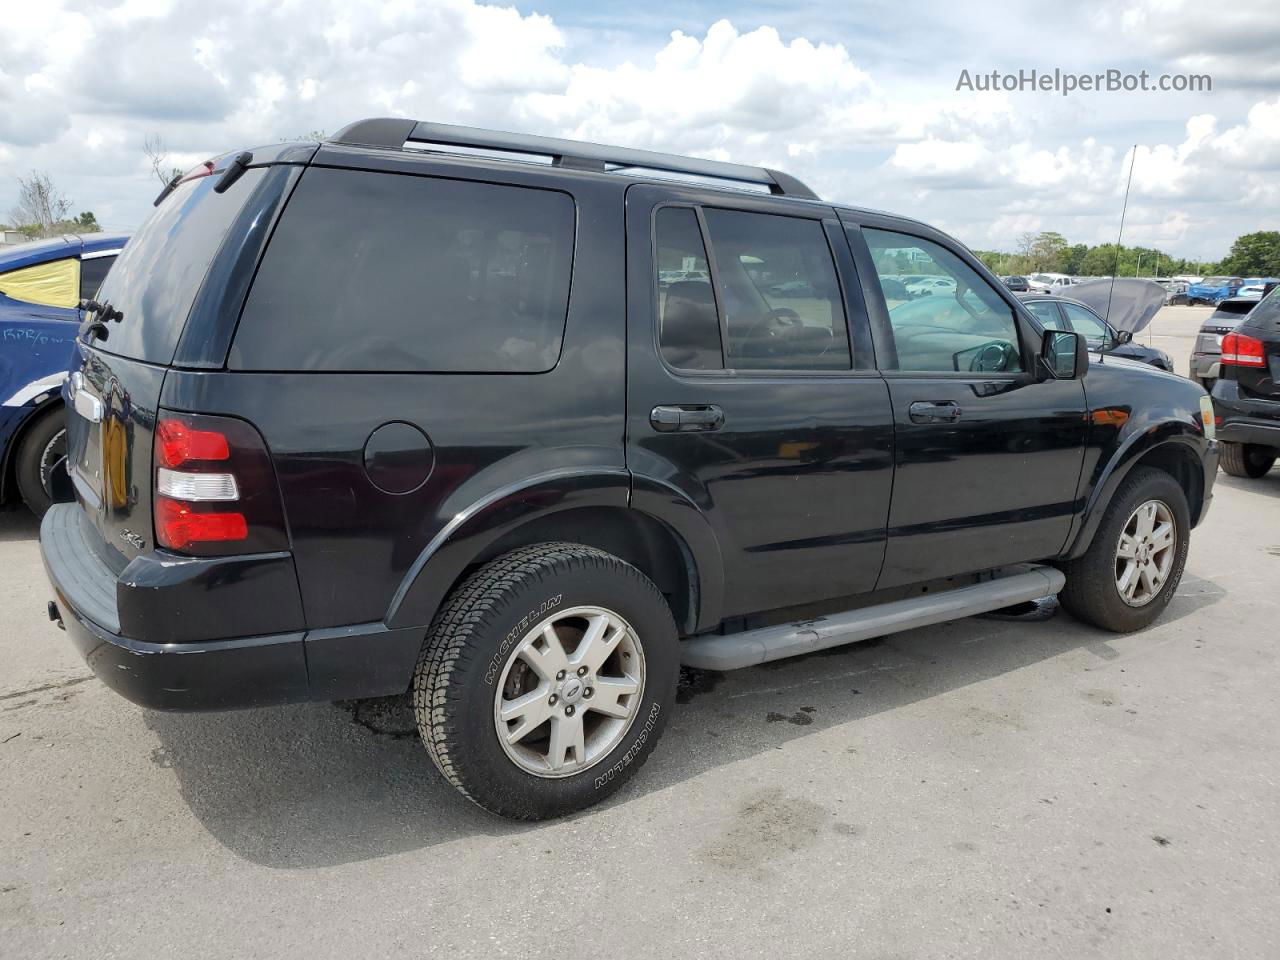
(751, 647)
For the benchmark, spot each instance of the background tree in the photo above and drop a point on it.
(41, 205)
(1048, 252)
(158, 157)
(1254, 255)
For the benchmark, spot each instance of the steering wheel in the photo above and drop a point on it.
(775, 322)
(775, 328)
(994, 357)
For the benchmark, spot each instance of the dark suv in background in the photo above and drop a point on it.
(1206, 356)
(368, 416)
(1246, 398)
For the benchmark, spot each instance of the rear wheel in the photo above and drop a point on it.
(42, 453)
(1250, 460)
(1132, 569)
(546, 680)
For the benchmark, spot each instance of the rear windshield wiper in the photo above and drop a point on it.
(102, 313)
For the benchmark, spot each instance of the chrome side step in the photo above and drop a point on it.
(746, 649)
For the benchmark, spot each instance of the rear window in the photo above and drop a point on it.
(158, 274)
(1233, 309)
(389, 272)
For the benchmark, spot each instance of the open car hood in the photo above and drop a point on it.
(1133, 302)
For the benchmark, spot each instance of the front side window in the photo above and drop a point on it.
(1086, 322)
(688, 326)
(1046, 312)
(956, 322)
(777, 287)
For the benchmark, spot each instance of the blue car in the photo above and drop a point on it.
(1213, 290)
(41, 286)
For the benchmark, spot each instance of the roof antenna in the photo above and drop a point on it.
(1123, 210)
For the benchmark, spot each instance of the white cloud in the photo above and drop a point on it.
(865, 117)
(1234, 43)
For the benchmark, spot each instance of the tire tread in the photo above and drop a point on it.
(451, 644)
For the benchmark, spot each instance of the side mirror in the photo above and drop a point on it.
(1064, 354)
(1123, 337)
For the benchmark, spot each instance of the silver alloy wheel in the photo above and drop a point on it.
(52, 456)
(1145, 553)
(569, 692)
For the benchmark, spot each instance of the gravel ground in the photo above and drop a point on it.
(987, 788)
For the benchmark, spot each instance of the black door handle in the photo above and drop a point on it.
(924, 412)
(686, 418)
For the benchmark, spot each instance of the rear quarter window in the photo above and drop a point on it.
(390, 272)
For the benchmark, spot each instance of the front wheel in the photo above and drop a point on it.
(546, 680)
(1250, 460)
(1133, 566)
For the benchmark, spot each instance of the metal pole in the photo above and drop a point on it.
(1133, 159)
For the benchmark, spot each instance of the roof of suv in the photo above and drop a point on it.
(577, 156)
(395, 132)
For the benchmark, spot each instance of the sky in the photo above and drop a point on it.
(860, 100)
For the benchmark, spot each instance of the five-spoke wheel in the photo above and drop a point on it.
(569, 692)
(1145, 552)
(546, 679)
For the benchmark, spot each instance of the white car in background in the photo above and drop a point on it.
(928, 285)
(1055, 283)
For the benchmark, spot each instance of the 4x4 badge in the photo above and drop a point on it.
(131, 538)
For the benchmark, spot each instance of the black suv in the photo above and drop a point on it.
(384, 414)
(1246, 398)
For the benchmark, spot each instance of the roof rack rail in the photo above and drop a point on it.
(574, 154)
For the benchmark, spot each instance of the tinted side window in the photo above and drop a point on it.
(688, 326)
(1046, 312)
(779, 293)
(1084, 322)
(944, 316)
(92, 272)
(385, 272)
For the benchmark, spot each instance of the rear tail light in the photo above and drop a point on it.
(177, 443)
(215, 489)
(178, 525)
(1242, 350)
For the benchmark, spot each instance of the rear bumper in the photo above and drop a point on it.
(1245, 420)
(210, 675)
(363, 660)
(1206, 365)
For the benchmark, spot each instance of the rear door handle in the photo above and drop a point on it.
(686, 418)
(922, 411)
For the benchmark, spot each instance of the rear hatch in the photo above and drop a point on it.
(1223, 320)
(1257, 366)
(114, 389)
